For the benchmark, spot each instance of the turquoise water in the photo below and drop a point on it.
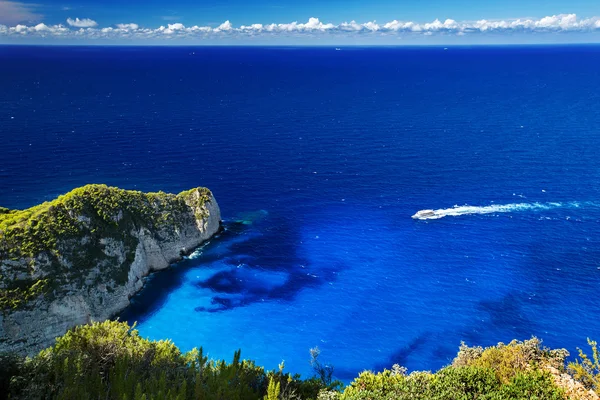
(318, 159)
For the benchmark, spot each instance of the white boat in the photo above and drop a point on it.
(425, 214)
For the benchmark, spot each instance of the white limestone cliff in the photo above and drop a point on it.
(99, 295)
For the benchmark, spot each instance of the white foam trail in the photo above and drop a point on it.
(505, 208)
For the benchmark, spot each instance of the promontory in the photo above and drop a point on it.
(82, 256)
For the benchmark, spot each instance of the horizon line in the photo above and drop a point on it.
(280, 45)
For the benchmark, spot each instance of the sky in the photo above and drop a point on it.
(299, 22)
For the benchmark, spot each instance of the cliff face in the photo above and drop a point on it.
(82, 256)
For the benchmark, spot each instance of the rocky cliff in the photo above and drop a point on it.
(82, 256)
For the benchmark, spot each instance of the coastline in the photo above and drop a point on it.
(109, 240)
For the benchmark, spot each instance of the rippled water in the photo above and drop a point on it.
(318, 159)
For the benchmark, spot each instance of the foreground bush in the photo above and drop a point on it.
(110, 360)
(452, 383)
(513, 371)
(587, 369)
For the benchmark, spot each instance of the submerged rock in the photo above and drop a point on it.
(81, 257)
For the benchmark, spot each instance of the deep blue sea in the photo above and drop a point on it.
(318, 159)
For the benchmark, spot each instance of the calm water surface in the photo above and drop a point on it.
(318, 159)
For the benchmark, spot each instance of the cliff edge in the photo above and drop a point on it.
(80, 257)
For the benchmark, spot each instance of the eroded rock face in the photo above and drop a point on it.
(101, 285)
(573, 389)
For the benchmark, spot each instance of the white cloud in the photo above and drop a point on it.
(128, 27)
(172, 28)
(313, 25)
(176, 27)
(252, 28)
(396, 25)
(225, 26)
(86, 28)
(82, 23)
(13, 12)
(41, 28)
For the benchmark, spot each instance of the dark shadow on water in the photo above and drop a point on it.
(274, 251)
(158, 285)
(508, 313)
(257, 262)
(232, 291)
(403, 354)
(445, 352)
(433, 350)
(346, 374)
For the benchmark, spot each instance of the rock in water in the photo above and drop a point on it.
(81, 257)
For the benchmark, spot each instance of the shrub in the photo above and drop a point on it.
(109, 360)
(502, 372)
(532, 385)
(458, 383)
(273, 390)
(586, 369)
(323, 372)
(509, 359)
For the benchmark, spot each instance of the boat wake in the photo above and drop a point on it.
(505, 208)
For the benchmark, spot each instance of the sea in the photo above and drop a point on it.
(318, 159)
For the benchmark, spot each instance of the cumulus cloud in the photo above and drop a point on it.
(12, 12)
(41, 28)
(312, 28)
(82, 23)
(225, 26)
(128, 27)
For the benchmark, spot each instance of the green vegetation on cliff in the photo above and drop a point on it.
(63, 240)
(587, 369)
(13, 299)
(111, 361)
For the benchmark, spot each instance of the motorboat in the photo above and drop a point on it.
(424, 214)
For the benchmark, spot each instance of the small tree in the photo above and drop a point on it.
(323, 371)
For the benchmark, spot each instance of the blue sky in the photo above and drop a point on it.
(516, 21)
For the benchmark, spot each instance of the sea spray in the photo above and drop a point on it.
(492, 209)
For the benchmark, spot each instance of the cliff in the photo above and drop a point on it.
(83, 255)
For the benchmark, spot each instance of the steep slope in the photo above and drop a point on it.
(82, 256)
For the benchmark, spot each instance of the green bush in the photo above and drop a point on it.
(453, 383)
(502, 372)
(531, 385)
(586, 369)
(509, 359)
(110, 360)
